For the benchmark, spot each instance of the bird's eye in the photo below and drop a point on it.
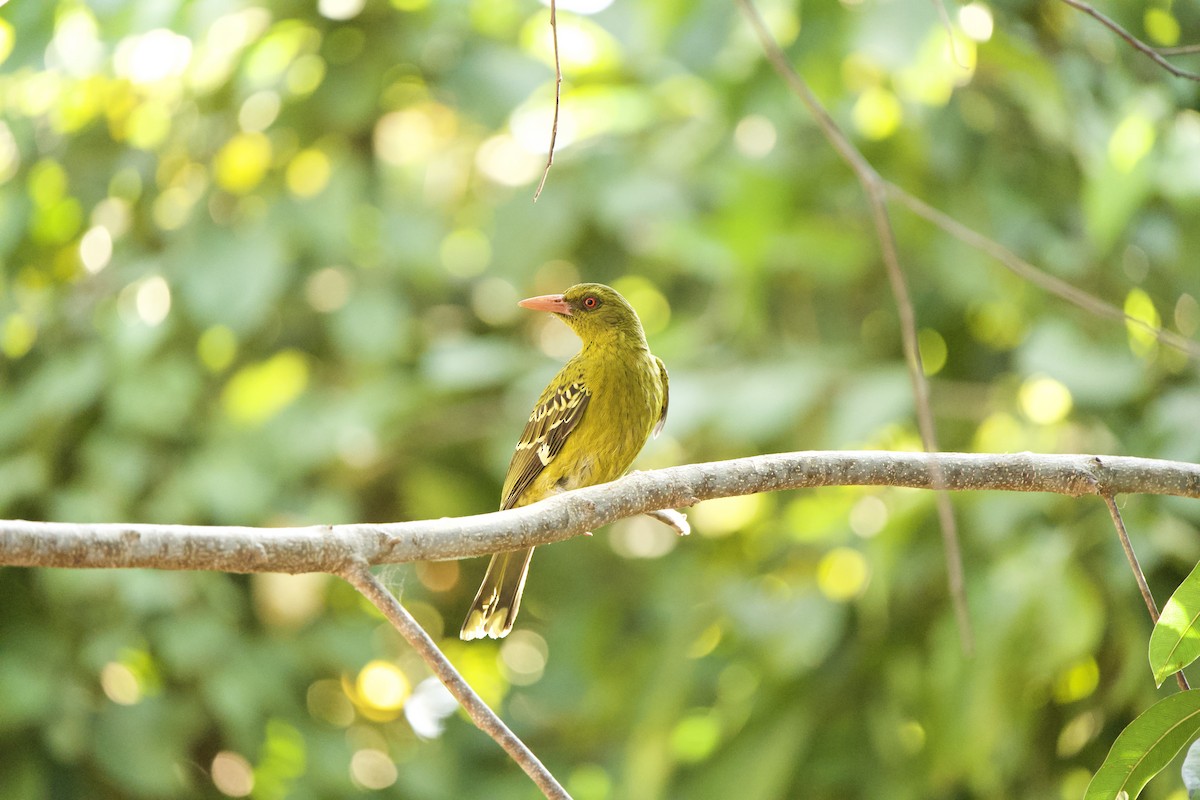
(591, 301)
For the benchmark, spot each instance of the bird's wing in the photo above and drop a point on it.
(549, 425)
(662, 417)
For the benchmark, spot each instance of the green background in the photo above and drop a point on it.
(259, 266)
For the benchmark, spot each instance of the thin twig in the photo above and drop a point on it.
(1029, 272)
(1134, 42)
(359, 576)
(557, 98)
(875, 189)
(952, 43)
(1138, 575)
(1182, 50)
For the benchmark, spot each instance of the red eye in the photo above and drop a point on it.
(590, 301)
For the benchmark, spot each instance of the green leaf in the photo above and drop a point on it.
(1146, 746)
(1175, 640)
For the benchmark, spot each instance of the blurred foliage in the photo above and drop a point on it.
(259, 265)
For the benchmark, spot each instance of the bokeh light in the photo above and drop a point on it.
(1078, 681)
(933, 351)
(726, 515)
(153, 56)
(289, 601)
(308, 172)
(373, 769)
(120, 684)
(95, 249)
(1130, 142)
(259, 391)
(842, 574)
(523, 655)
(17, 335)
(976, 21)
(152, 300)
(1044, 400)
(755, 136)
(382, 688)
(232, 774)
(1143, 324)
(242, 163)
(868, 516)
(877, 113)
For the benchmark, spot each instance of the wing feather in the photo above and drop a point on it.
(549, 425)
(662, 416)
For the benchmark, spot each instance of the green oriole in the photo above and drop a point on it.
(587, 427)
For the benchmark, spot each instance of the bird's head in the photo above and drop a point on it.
(597, 313)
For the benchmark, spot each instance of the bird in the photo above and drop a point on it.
(588, 425)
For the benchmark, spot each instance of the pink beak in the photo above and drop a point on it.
(554, 303)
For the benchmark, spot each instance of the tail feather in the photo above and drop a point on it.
(499, 598)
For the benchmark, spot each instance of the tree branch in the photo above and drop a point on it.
(359, 576)
(1022, 268)
(1133, 41)
(338, 548)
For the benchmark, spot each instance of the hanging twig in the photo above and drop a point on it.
(1133, 41)
(359, 576)
(1138, 575)
(951, 42)
(557, 98)
(875, 189)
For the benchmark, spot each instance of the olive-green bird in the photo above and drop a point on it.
(587, 427)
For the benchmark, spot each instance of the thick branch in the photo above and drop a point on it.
(338, 548)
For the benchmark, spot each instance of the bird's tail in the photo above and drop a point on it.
(495, 607)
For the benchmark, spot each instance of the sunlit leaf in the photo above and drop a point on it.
(1146, 746)
(1175, 640)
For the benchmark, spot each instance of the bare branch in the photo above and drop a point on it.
(1182, 50)
(557, 98)
(337, 548)
(875, 189)
(1133, 41)
(1138, 575)
(1029, 272)
(359, 576)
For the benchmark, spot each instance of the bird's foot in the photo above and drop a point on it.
(673, 519)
